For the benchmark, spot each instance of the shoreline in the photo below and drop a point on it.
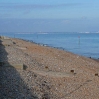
(60, 48)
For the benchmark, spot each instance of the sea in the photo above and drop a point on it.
(83, 44)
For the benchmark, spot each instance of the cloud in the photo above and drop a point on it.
(65, 21)
(84, 17)
(26, 12)
(36, 6)
(4, 15)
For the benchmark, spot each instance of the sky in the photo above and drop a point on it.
(49, 15)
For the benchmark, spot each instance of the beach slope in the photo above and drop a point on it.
(32, 71)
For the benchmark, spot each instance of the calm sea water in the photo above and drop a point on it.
(84, 44)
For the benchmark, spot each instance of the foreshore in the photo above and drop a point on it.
(48, 73)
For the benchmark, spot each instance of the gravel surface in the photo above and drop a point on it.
(48, 73)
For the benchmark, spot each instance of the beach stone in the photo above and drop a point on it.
(72, 71)
(14, 42)
(96, 74)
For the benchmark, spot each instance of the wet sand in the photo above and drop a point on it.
(49, 73)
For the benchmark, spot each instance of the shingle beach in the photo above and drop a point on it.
(47, 73)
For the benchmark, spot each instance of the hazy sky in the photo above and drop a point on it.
(49, 15)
